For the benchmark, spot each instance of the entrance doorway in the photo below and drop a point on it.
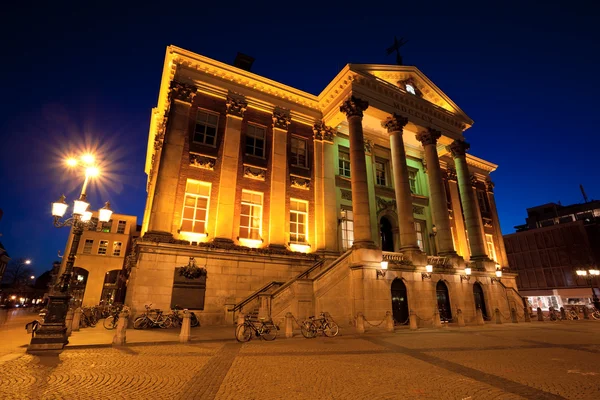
(479, 299)
(387, 236)
(78, 284)
(399, 302)
(443, 300)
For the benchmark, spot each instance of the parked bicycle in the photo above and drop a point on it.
(88, 317)
(594, 313)
(174, 319)
(110, 322)
(263, 328)
(151, 318)
(311, 327)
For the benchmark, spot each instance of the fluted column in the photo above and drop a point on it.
(500, 250)
(277, 218)
(406, 222)
(439, 206)
(462, 248)
(326, 217)
(170, 152)
(353, 108)
(458, 148)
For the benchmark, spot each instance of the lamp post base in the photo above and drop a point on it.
(51, 337)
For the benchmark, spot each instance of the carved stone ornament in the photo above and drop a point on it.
(236, 105)
(254, 172)
(458, 148)
(430, 136)
(395, 123)
(200, 161)
(346, 194)
(299, 182)
(183, 92)
(281, 119)
(323, 132)
(418, 210)
(383, 204)
(354, 107)
(487, 223)
(473, 180)
(489, 186)
(368, 146)
(451, 174)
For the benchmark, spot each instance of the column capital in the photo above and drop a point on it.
(323, 132)
(183, 92)
(281, 119)
(395, 123)
(473, 179)
(451, 174)
(458, 148)
(430, 136)
(489, 186)
(354, 107)
(236, 105)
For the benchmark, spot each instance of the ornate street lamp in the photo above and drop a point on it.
(52, 335)
(589, 276)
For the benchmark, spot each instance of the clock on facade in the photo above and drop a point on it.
(410, 88)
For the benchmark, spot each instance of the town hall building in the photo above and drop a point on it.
(361, 199)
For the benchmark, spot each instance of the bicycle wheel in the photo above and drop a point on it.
(331, 329)
(110, 322)
(194, 321)
(269, 331)
(169, 322)
(160, 321)
(308, 330)
(243, 333)
(140, 323)
(596, 315)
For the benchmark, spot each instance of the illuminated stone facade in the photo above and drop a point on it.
(290, 201)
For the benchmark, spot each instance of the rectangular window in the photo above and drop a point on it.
(298, 156)
(87, 246)
(380, 172)
(412, 181)
(195, 206)
(489, 240)
(205, 131)
(344, 162)
(103, 247)
(117, 248)
(298, 220)
(251, 215)
(107, 226)
(121, 226)
(347, 229)
(255, 141)
(482, 201)
(420, 231)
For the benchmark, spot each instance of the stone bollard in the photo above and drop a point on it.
(437, 323)
(586, 313)
(563, 313)
(77, 319)
(389, 322)
(120, 338)
(69, 321)
(513, 316)
(498, 316)
(412, 320)
(540, 314)
(460, 317)
(527, 315)
(360, 323)
(289, 327)
(184, 335)
(3, 315)
(479, 317)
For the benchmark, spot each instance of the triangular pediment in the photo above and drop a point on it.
(400, 75)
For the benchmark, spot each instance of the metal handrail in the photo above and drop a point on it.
(254, 295)
(302, 275)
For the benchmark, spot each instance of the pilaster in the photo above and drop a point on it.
(277, 219)
(500, 250)
(326, 223)
(459, 224)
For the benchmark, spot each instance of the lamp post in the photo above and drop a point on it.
(52, 335)
(589, 276)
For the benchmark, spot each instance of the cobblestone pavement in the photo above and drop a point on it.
(509, 361)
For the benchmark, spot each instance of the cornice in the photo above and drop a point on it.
(481, 163)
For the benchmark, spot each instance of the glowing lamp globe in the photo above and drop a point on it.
(429, 268)
(80, 207)
(59, 207)
(105, 213)
(594, 272)
(581, 272)
(467, 271)
(86, 216)
(499, 273)
(384, 265)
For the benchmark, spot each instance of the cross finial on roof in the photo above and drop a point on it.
(396, 48)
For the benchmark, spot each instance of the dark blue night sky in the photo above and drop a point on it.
(526, 74)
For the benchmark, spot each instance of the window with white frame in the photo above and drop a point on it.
(251, 215)
(87, 246)
(344, 162)
(489, 241)
(195, 206)
(420, 231)
(298, 156)
(205, 131)
(412, 181)
(103, 247)
(482, 201)
(380, 172)
(121, 226)
(117, 248)
(255, 140)
(347, 229)
(298, 220)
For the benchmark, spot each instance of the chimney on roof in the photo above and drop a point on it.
(243, 61)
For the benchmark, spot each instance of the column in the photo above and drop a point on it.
(353, 108)
(500, 250)
(171, 152)
(406, 222)
(458, 149)
(326, 216)
(437, 193)
(277, 218)
(236, 105)
(462, 246)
